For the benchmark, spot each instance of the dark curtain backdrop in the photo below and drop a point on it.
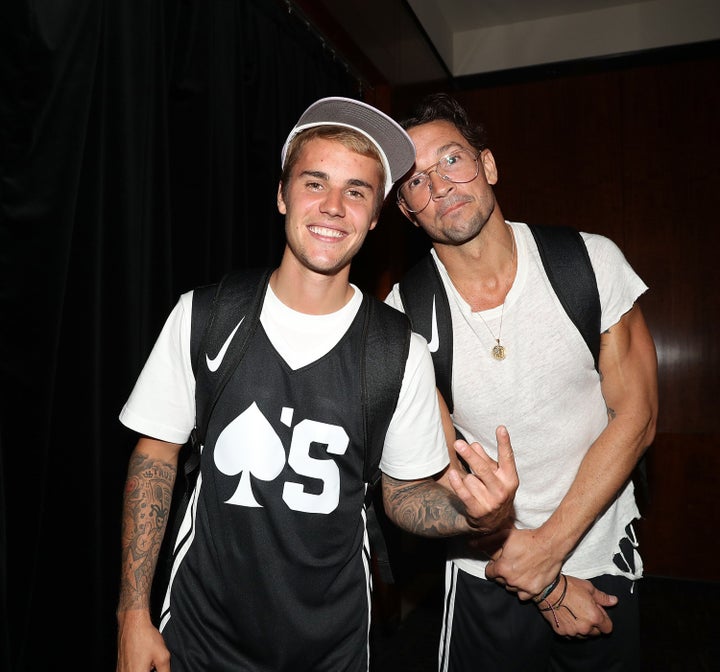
(139, 157)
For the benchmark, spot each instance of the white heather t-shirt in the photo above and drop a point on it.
(546, 392)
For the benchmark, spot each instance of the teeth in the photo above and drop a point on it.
(322, 231)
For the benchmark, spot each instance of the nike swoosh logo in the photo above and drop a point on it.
(214, 364)
(434, 343)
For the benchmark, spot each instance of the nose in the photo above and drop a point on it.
(333, 203)
(439, 185)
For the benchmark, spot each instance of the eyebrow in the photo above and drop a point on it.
(360, 183)
(440, 153)
(352, 182)
(450, 146)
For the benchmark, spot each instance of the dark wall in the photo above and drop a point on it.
(630, 149)
(139, 157)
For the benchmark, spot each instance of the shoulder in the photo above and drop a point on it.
(600, 246)
(201, 297)
(605, 255)
(418, 285)
(618, 283)
(389, 329)
(393, 298)
(387, 312)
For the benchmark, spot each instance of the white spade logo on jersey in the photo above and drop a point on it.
(250, 447)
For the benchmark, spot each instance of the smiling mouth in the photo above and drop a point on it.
(325, 232)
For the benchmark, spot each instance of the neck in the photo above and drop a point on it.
(483, 269)
(309, 292)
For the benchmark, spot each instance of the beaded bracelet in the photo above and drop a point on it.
(545, 593)
(559, 604)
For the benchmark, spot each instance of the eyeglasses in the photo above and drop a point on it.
(459, 166)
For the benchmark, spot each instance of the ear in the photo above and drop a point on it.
(407, 213)
(487, 160)
(281, 201)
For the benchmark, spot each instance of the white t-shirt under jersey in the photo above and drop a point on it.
(162, 403)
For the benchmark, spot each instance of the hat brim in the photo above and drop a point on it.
(394, 144)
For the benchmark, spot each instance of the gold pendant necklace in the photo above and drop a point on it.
(498, 351)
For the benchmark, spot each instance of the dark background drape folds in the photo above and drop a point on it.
(139, 157)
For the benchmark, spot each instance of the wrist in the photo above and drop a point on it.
(548, 590)
(133, 616)
(555, 606)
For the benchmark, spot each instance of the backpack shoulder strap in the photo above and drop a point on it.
(232, 320)
(426, 304)
(218, 312)
(201, 301)
(568, 267)
(386, 344)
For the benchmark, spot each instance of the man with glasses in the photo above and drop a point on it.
(530, 598)
(272, 569)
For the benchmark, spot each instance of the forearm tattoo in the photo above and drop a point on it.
(148, 493)
(424, 507)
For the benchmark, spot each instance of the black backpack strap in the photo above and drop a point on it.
(567, 265)
(426, 303)
(233, 303)
(236, 305)
(203, 302)
(188, 460)
(216, 311)
(386, 344)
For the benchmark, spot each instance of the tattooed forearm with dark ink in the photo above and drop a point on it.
(423, 507)
(148, 493)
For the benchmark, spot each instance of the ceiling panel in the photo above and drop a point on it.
(410, 41)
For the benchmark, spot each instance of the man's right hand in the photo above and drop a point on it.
(488, 492)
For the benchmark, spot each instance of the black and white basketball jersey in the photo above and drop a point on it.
(275, 570)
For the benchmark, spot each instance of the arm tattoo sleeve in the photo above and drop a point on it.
(148, 493)
(424, 507)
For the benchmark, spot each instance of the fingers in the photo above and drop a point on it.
(604, 599)
(605, 625)
(476, 458)
(494, 474)
(506, 455)
(472, 490)
(488, 491)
